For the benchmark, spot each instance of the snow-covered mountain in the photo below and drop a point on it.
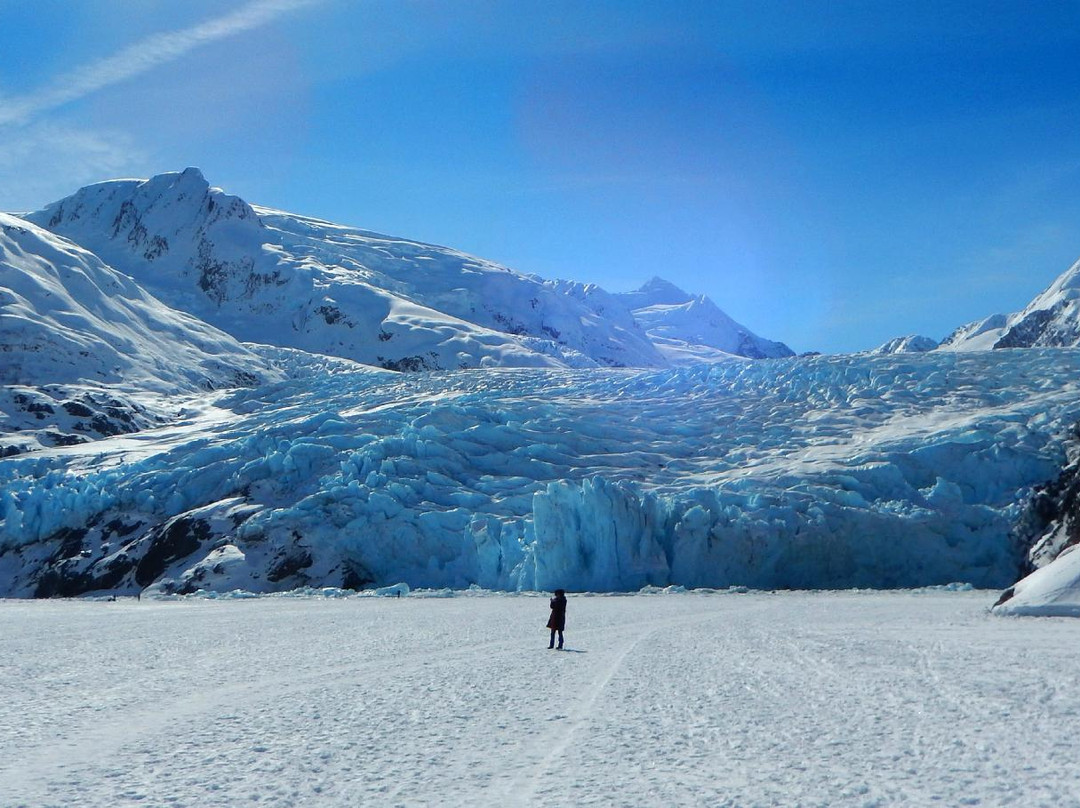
(689, 329)
(1051, 320)
(865, 471)
(272, 277)
(87, 352)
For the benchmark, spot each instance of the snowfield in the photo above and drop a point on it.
(712, 699)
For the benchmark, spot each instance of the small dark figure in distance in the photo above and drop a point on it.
(557, 621)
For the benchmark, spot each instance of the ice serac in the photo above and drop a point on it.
(1051, 320)
(688, 329)
(863, 471)
(87, 352)
(596, 533)
(276, 278)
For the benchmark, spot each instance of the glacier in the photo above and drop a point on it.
(814, 472)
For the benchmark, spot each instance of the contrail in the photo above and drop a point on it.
(142, 56)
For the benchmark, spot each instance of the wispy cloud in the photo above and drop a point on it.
(141, 57)
(45, 161)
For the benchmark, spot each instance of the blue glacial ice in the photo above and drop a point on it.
(857, 471)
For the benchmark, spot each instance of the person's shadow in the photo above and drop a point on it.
(573, 651)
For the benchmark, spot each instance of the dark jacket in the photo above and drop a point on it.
(557, 621)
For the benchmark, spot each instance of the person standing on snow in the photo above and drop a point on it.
(557, 621)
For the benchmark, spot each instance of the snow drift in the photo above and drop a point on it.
(1050, 591)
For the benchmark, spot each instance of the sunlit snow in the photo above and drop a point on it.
(697, 699)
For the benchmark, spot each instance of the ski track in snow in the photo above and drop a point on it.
(851, 699)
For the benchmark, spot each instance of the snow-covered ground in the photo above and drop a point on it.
(824, 699)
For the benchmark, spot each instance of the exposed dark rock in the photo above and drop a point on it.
(1006, 595)
(105, 426)
(158, 247)
(1027, 332)
(508, 324)
(1051, 522)
(178, 538)
(77, 409)
(40, 409)
(60, 582)
(70, 541)
(59, 439)
(411, 364)
(333, 315)
(117, 527)
(289, 564)
(354, 576)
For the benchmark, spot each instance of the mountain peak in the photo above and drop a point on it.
(654, 292)
(660, 292)
(1050, 320)
(194, 173)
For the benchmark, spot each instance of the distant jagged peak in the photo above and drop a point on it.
(655, 292)
(913, 343)
(979, 335)
(1050, 320)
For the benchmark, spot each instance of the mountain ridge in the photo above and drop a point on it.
(344, 291)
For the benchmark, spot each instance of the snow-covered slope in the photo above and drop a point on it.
(272, 277)
(869, 471)
(1050, 591)
(85, 349)
(689, 329)
(1052, 319)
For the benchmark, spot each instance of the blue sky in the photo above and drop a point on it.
(831, 174)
